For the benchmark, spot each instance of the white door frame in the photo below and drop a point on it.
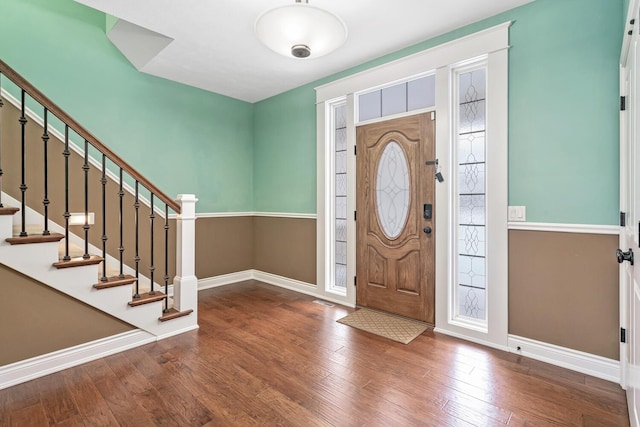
(629, 194)
(493, 44)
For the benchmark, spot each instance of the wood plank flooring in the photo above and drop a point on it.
(266, 356)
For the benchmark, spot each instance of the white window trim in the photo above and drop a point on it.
(325, 217)
(493, 43)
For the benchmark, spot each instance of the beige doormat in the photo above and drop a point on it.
(385, 325)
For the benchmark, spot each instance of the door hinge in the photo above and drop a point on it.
(355, 150)
(623, 335)
(623, 219)
(623, 103)
(355, 281)
(354, 216)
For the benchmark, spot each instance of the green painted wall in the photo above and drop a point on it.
(285, 153)
(563, 117)
(184, 139)
(563, 111)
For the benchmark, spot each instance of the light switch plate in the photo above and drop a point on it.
(517, 213)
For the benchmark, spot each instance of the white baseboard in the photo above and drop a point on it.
(471, 339)
(272, 279)
(585, 363)
(224, 279)
(26, 370)
(298, 286)
(177, 332)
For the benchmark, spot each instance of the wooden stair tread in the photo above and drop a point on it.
(174, 314)
(78, 261)
(146, 298)
(8, 211)
(35, 238)
(114, 281)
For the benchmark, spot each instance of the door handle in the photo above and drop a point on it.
(624, 256)
(427, 230)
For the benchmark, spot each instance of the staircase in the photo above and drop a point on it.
(40, 257)
(109, 264)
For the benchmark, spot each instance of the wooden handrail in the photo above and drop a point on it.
(38, 96)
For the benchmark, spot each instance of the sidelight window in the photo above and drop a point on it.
(338, 281)
(470, 293)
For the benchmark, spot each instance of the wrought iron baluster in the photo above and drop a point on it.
(23, 185)
(85, 168)
(151, 267)
(66, 154)
(45, 148)
(121, 247)
(166, 258)
(136, 205)
(1, 173)
(103, 181)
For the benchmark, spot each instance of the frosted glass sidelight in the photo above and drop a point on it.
(341, 230)
(472, 86)
(472, 210)
(472, 302)
(341, 184)
(341, 139)
(341, 207)
(339, 283)
(471, 147)
(341, 253)
(472, 115)
(341, 162)
(471, 240)
(341, 276)
(392, 190)
(341, 117)
(471, 178)
(471, 286)
(471, 271)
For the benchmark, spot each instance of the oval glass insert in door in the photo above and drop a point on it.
(392, 190)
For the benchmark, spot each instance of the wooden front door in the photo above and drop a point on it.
(395, 260)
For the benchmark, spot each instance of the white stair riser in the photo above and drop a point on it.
(5, 226)
(37, 257)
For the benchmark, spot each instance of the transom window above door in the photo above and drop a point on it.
(411, 95)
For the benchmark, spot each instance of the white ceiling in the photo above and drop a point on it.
(211, 44)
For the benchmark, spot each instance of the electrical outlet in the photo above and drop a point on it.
(517, 213)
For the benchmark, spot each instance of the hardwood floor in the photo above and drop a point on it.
(267, 356)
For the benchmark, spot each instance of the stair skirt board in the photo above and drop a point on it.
(39, 366)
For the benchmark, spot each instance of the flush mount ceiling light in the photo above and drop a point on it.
(300, 30)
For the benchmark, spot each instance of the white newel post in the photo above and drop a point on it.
(185, 289)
